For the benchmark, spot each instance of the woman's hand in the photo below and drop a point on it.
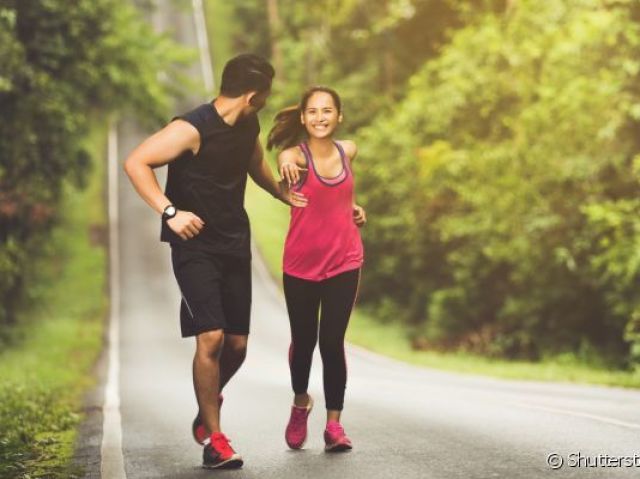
(290, 172)
(359, 216)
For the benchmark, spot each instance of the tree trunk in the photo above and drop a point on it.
(274, 34)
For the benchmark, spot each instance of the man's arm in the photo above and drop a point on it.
(159, 149)
(261, 173)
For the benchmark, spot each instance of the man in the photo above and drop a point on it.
(210, 150)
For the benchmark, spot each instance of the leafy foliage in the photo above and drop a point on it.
(62, 67)
(22, 415)
(512, 167)
(498, 163)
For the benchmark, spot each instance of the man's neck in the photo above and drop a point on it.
(229, 109)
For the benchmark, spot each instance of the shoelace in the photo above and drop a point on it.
(221, 444)
(335, 429)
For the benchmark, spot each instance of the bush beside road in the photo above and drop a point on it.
(47, 368)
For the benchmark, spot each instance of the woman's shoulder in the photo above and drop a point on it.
(349, 147)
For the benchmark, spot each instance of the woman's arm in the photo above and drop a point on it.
(261, 174)
(351, 151)
(290, 164)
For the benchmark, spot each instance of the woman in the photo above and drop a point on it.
(323, 254)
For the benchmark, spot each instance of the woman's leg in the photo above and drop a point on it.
(337, 298)
(303, 302)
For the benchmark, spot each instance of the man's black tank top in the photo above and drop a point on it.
(212, 183)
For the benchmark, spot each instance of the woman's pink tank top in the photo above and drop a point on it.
(323, 240)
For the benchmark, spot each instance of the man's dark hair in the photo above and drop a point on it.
(245, 73)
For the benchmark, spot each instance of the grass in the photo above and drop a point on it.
(45, 372)
(269, 222)
(391, 340)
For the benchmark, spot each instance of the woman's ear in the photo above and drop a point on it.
(340, 118)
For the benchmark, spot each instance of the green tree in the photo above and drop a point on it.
(63, 67)
(367, 50)
(492, 160)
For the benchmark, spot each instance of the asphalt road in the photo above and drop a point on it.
(404, 421)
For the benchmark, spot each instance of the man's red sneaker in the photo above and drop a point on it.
(218, 454)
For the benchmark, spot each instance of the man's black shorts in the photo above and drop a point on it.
(216, 291)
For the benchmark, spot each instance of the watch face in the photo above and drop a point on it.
(170, 211)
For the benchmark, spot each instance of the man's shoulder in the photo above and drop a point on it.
(198, 115)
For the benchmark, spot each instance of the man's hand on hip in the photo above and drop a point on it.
(290, 197)
(185, 224)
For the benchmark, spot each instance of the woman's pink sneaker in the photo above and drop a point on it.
(296, 432)
(335, 439)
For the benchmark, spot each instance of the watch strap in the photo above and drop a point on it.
(166, 215)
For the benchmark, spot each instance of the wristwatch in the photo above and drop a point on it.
(169, 212)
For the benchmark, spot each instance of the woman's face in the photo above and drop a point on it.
(320, 117)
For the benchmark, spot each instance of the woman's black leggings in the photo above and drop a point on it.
(334, 299)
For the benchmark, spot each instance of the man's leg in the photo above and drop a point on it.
(236, 303)
(233, 353)
(217, 453)
(206, 376)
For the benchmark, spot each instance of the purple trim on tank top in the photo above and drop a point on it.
(322, 179)
(303, 177)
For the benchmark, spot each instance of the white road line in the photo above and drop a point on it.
(585, 415)
(203, 46)
(112, 461)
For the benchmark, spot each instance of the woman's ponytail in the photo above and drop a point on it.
(287, 130)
